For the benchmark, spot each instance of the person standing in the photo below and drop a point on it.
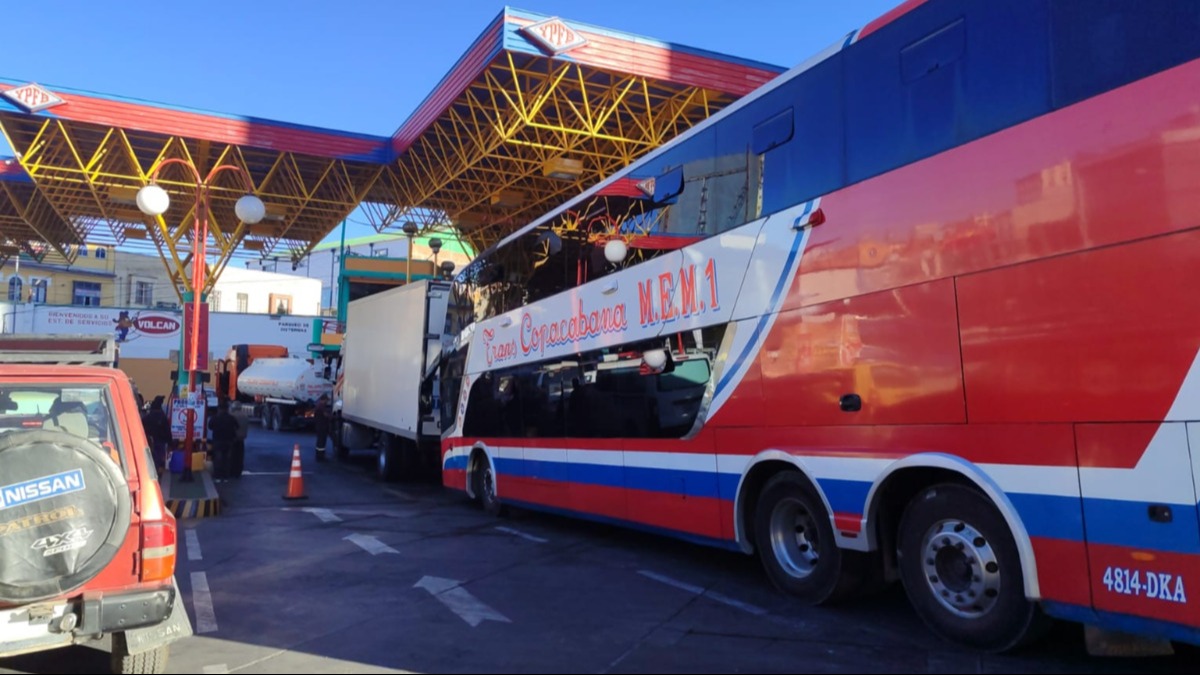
(224, 428)
(158, 432)
(321, 425)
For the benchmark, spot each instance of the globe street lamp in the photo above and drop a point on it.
(154, 201)
(435, 245)
(410, 231)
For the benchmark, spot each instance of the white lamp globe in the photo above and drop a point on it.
(250, 209)
(655, 358)
(615, 250)
(153, 200)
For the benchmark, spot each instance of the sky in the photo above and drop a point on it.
(355, 65)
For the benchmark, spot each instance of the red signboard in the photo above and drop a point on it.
(33, 97)
(202, 350)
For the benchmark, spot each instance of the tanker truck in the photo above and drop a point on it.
(282, 391)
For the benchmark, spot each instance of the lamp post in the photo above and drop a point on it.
(435, 245)
(152, 200)
(410, 231)
(448, 269)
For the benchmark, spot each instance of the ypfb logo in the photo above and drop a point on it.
(156, 324)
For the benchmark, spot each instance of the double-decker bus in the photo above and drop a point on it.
(925, 308)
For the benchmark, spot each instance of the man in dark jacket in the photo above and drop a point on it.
(158, 432)
(224, 428)
(321, 425)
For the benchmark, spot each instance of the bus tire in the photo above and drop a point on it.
(484, 487)
(962, 572)
(796, 543)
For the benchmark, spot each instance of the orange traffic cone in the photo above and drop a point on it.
(295, 486)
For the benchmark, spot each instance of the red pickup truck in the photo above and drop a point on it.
(87, 546)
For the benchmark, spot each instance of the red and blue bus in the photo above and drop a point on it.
(925, 308)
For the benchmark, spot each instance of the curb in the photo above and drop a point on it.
(194, 507)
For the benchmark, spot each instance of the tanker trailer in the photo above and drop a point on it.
(285, 390)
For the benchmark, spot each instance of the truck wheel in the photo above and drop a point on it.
(276, 418)
(67, 523)
(796, 544)
(149, 662)
(962, 572)
(388, 467)
(264, 417)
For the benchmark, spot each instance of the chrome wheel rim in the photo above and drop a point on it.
(794, 538)
(961, 568)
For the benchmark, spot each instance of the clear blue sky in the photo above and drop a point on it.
(356, 65)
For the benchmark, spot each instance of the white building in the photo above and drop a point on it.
(142, 282)
(257, 292)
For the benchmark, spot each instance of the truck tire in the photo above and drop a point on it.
(264, 416)
(276, 418)
(149, 662)
(338, 428)
(388, 467)
(66, 513)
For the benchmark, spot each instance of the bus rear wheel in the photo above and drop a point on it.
(796, 544)
(484, 486)
(962, 572)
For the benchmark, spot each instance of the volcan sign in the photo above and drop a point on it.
(157, 324)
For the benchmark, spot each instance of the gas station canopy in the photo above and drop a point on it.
(537, 109)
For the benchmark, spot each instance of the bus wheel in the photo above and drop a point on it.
(796, 543)
(484, 486)
(962, 572)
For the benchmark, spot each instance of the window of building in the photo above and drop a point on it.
(143, 293)
(214, 301)
(83, 250)
(14, 289)
(101, 253)
(37, 290)
(243, 302)
(280, 304)
(85, 293)
(381, 253)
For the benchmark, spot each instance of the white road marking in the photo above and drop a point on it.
(397, 493)
(206, 616)
(521, 534)
(711, 595)
(326, 515)
(460, 601)
(266, 473)
(369, 544)
(193, 545)
(216, 669)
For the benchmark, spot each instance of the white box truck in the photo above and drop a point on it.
(386, 397)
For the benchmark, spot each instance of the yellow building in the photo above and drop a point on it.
(88, 281)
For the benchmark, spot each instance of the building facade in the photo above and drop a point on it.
(106, 277)
(89, 280)
(323, 262)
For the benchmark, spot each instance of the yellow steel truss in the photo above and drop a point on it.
(87, 175)
(481, 163)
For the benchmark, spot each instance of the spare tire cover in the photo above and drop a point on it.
(64, 513)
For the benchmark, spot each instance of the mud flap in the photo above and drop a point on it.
(177, 626)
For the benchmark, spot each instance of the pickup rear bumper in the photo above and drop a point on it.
(40, 626)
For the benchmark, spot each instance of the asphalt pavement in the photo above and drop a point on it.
(365, 577)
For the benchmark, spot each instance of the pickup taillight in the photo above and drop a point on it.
(158, 536)
(158, 550)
